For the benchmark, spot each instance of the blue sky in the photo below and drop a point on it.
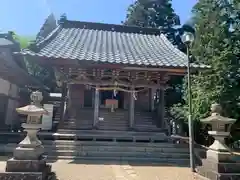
(26, 16)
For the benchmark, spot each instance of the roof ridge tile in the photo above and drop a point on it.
(111, 27)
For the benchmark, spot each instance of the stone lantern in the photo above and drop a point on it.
(27, 161)
(219, 164)
(220, 126)
(31, 147)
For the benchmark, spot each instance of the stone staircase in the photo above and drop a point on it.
(81, 119)
(145, 121)
(118, 120)
(112, 145)
(56, 115)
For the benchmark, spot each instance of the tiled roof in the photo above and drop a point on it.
(5, 42)
(97, 42)
(49, 25)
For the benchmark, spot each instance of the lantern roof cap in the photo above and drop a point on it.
(32, 110)
(217, 117)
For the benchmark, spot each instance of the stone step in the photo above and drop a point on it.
(108, 148)
(76, 127)
(114, 144)
(116, 154)
(104, 120)
(112, 125)
(113, 128)
(110, 122)
(114, 133)
(103, 136)
(80, 122)
(148, 150)
(145, 125)
(178, 162)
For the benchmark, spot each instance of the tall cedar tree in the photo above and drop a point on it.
(218, 45)
(159, 14)
(154, 14)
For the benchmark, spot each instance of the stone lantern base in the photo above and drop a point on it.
(26, 170)
(27, 162)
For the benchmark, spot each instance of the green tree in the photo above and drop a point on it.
(43, 74)
(216, 44)
(23, 40)
(154, 14)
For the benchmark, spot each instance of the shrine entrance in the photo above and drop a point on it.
(88, 98)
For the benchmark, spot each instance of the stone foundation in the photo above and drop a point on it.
(26, 170)
(219, 170)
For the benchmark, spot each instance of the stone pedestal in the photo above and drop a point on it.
(26, 170)
(30, 147)
(219, 166)
(214, 170)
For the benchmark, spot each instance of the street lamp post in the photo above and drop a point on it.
(188, 39)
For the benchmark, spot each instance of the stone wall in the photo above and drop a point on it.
(9, 103)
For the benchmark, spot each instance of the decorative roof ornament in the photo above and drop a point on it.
(63, 18)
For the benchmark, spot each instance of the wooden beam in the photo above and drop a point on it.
(170, 70)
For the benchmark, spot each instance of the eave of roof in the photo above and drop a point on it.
(108, 43)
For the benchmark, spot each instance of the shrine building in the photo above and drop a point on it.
(113, 77)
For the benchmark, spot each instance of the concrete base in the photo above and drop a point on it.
(219, 170)
(26, 169)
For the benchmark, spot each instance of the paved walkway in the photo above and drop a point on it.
(116, 171)
(74, 170)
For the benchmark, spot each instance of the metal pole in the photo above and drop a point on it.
(190, 125)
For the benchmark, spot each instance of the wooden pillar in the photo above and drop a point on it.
(162, 107)
(63, 101)
(151, 99)
(131, 109)
(96, 107)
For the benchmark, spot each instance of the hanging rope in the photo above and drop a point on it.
(119, 89)
(115, 89)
